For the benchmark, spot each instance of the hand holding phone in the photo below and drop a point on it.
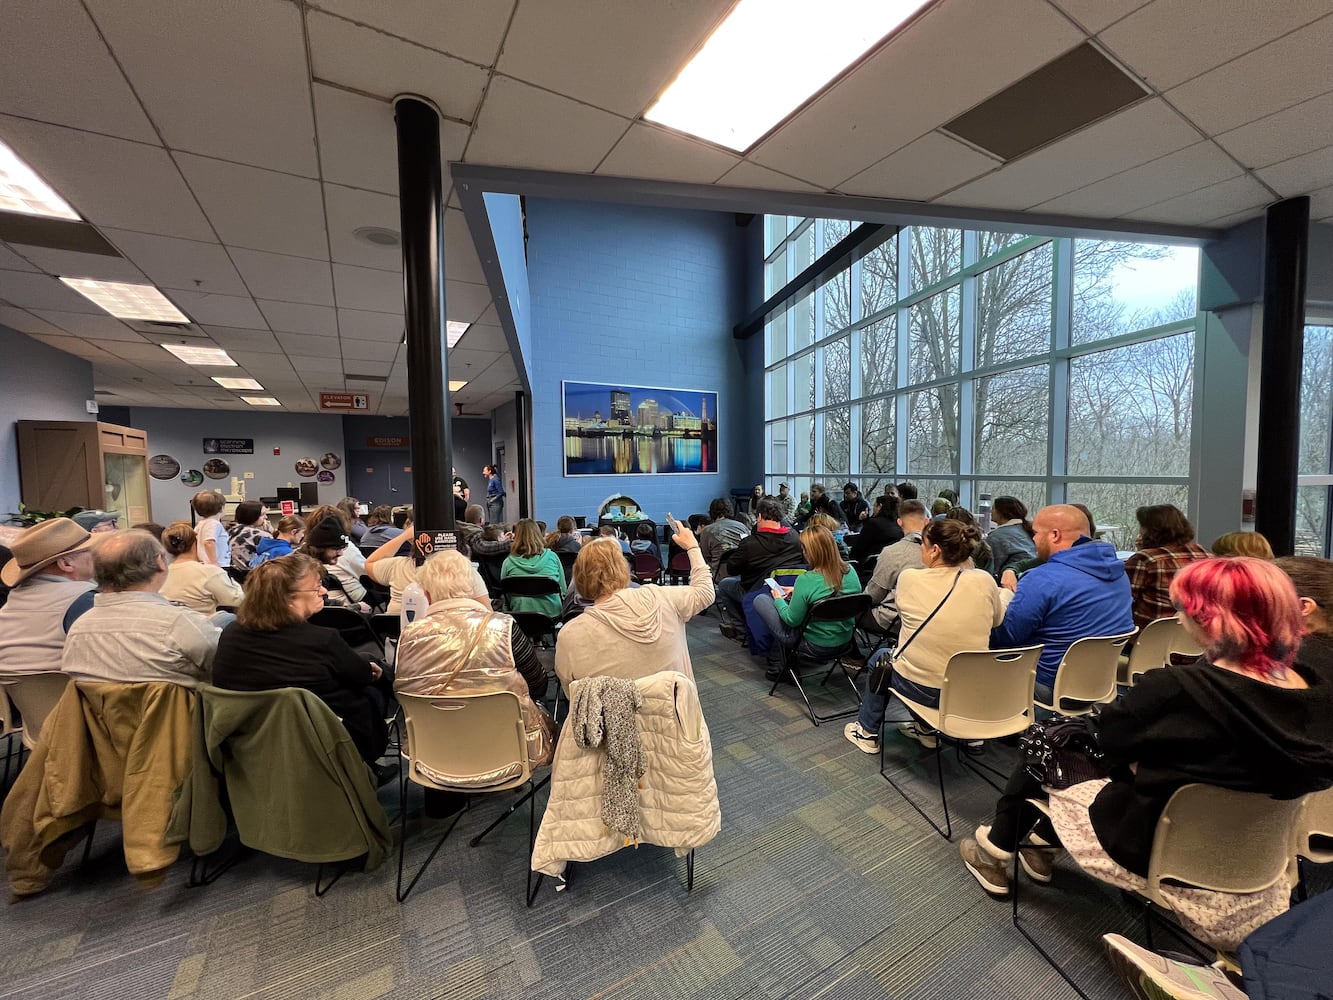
(774, 588)
(673, 524)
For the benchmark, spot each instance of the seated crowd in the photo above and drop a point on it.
(1254, 713)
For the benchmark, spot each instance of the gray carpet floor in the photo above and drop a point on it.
(823, 883)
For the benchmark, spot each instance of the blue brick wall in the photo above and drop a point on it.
(648, 296)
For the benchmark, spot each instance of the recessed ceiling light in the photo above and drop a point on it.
(238, 383)
(454, 386)
(126, 301)
(378, 236)
(261, 400)
(21, 190)
(201, 355)
(454, 331)
(727, 93)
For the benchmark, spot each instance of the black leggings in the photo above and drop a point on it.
(1015, 817)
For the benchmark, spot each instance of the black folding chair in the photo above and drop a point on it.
(349, 624)
(490, 568)
(840, 607)
(567, 562)
(238, 575)
(534, 624)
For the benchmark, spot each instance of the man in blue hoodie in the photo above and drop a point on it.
(1080, 589)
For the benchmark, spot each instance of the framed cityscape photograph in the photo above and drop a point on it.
(630, 430)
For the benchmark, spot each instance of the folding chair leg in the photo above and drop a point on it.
(1018, 925)
(945, 831)
(689, 871)
(201, 876)
(402, 847)
(322, 887)
(510, 811)
(88, 844)
(533, 886)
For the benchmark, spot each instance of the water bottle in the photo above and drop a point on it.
(983, 512)
(413, 604)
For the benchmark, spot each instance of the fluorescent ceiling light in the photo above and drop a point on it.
(127, 301)
(21, 190)
(201, 355)
(454, 386)
(728, 93)
(455, 331)
(261, 400)
(238, 383)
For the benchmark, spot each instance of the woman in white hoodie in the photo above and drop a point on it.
(630, 633)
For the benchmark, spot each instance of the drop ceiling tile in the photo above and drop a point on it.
(1198, 208)
(43, 41)
(367, 350)
(469, 29)
(307, 346)
(285, 278)
(461, 262)
(1136, 135)
(461, 357)
(379, 369)
(30, 290)
(648, 151)
(921, 170)
(358, 142)
(253, 341)
(465, 302)
(1282, 73)
(358, 324)
(262, 366)
(110, 182)
(130, 351)
(291, 317)
(173, 263)
(71, 264)
(94, 327)
(751, 175)
(25, 322)
(1094, 15)
(370, 289)
(350, 210)
(1321, 204)
(1280, 136)
(10, 261)
(1300, 174)
(548, 44)
(258, 209)
(1178, 173)
(221, 79)
(220, 310)
(1171, 41)
(1229, 221)
(322, 363)
(521, 126)
(481, 337)
(858, 121)
(374, 63)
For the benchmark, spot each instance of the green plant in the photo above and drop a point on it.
(28, 516)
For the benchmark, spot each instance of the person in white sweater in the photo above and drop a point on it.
(946, 608)
(630, 633)
(190, 583)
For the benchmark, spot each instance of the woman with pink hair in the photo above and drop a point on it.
(1246, 717)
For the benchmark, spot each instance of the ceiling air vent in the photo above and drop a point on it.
(1075, 90)
(365, 378)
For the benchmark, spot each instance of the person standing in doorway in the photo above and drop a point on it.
(495, 494)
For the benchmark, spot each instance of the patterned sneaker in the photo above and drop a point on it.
(1151, 977)
(991, 873)
(866, 744)
(924, 737)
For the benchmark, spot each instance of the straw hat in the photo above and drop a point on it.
(41, 545)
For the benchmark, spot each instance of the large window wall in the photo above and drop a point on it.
(1048, 369)
(1315, 481)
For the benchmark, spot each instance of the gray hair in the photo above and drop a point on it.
(127, 559)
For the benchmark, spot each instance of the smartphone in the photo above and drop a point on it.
(772, 584)
(673, 524)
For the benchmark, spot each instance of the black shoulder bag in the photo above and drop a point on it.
(880, 678)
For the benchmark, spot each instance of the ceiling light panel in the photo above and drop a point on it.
(238, 383)
(727, 93)
(453, 333)
(454, 386)
(127, 301)
(23, 191)
(213, 356)
(261, 400)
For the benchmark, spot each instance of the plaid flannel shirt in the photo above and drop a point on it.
(1150, 574)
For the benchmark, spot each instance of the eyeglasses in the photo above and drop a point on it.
(314, 590)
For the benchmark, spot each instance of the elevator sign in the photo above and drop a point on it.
(343, 401)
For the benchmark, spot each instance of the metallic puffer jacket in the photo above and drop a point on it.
(461, 648)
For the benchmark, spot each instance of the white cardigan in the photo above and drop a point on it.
(964, 622)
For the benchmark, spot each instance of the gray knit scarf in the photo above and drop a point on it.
(603, 715)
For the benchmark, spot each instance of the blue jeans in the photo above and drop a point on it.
(875, 708)
(767, 610)
(729, 592)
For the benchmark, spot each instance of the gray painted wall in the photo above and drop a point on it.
(37, 382)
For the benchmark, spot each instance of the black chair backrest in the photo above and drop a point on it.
(238, 575)
(331, 582)
(530, 586)
(386, 626)
(349, 624)
(567, 561)
(490, 568)
(839, 607)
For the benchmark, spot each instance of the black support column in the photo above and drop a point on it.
(523, 425)
(421, 207)
(1286, 239)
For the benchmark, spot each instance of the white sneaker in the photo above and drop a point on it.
(909, 730)
(857, 738)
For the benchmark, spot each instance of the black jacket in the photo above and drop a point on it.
(876, 532)
(823, 505)
(1200, 723)
(759, 554)
(851, 510)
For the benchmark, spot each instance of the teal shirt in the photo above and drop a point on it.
(809, 588)
(546, 564)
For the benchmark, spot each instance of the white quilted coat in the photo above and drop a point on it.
(678, 798)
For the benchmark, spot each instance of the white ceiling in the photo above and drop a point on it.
(230, 150)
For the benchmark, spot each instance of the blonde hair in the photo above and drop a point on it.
(822, 520)
(600, 569)
(289, 523)
(821, 552)
(1243, 543)
(528, 540)
(446, 575)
